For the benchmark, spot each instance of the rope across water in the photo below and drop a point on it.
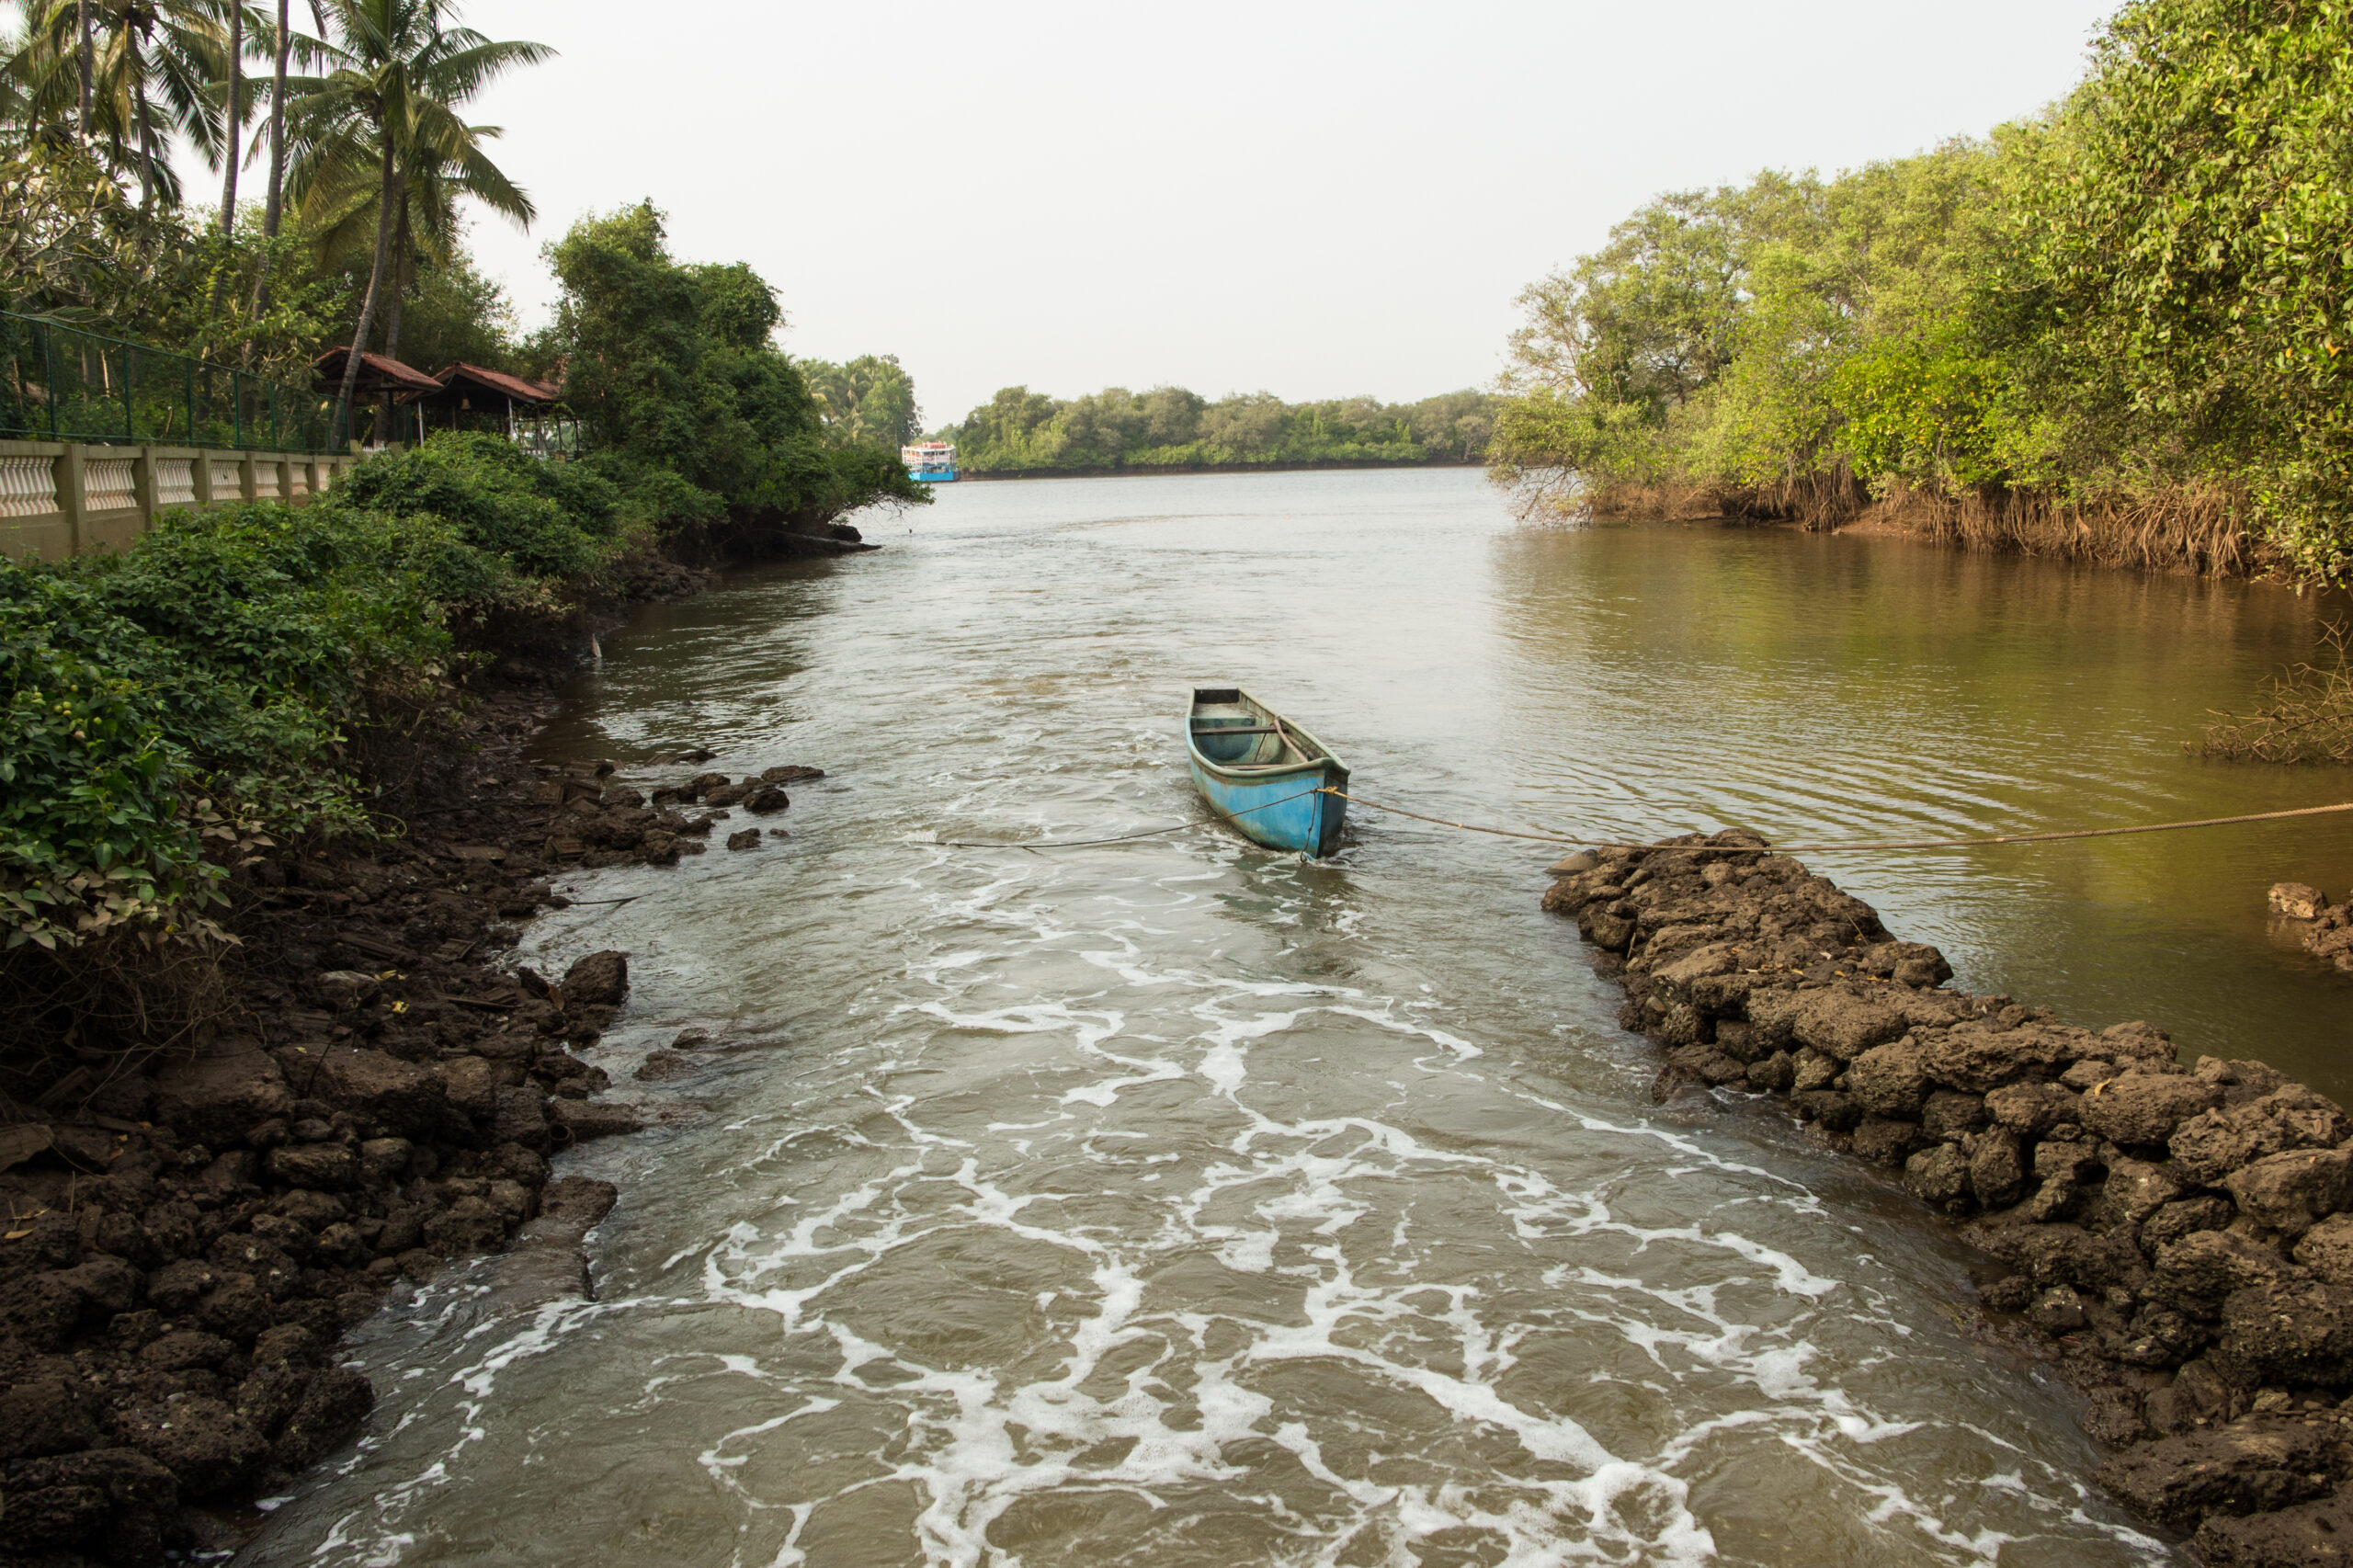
(1564, 838)
(1884, 844)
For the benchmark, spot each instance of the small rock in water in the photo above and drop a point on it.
(765, 800)
(2297, 901)
(747, 839)
(698, 755)
(664, 1064)
(791, 775)
(600, 980)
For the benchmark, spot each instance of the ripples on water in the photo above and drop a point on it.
(1180, 1203)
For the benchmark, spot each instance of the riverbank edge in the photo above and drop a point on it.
(192, 1232)
(1141, 470)
(2198, 533)
(2177, 1240)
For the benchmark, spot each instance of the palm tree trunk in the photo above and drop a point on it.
(273, 208)
(401, 264)
(146, 129)
(82, 20)
(233, 116)
(375, 287)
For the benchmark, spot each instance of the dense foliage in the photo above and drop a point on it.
(1170, 427)
(74, 245)
(695, 411)
(206, 681)
(2133, 305)
(870, 401)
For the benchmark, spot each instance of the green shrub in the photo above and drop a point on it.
(203, 684)
(550, 520)
(91, 823)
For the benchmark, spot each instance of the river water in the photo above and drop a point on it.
(1181, 1203)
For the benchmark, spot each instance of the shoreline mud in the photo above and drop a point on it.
(2179, 1239)
(1142, 471)
(190, 1231)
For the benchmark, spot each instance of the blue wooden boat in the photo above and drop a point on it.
(1262, 773)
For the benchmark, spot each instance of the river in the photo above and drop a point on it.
(1180, 1203)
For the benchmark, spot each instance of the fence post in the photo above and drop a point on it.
(285, 479)
(248, 486)
(142, 486)
(68, 470)
(200, 471)
(49, 370)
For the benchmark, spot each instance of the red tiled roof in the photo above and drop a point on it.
(499, 381)
(375, 372)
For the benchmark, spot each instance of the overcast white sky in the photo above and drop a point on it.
(1316, 199)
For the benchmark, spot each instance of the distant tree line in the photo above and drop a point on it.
(1170, 427)
(2121, 328)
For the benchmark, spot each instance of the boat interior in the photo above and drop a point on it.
(1231, 731)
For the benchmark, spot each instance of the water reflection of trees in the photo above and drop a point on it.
(1843, 687)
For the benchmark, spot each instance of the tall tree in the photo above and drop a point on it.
(153, 70)
(396, 79)
(338, 207)
(233, 116)
(274, 206)
(85, 56)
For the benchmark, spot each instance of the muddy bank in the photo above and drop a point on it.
(2198, 530)
(189, 1231)
(2178, 1238)
(1141, 470)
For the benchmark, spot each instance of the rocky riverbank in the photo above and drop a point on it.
(2179, 1238)
(188, 1232)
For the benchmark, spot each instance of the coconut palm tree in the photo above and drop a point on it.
(130, 71)
(236, 106)
(389, 101)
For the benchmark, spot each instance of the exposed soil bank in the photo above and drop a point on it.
(2200, 530)
(2179, 1238)
(1139, 470)
(190, 1231)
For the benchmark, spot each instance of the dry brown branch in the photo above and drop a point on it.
(2200, 527)
(2307, 715)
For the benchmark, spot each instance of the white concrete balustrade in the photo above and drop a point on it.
(107, 486)
(175, 481)
(65, 498)
(28, 486)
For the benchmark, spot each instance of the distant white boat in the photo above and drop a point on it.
(934, 462)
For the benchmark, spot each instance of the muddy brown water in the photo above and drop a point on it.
(1180, 1203)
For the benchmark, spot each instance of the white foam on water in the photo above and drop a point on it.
(1078, 1212)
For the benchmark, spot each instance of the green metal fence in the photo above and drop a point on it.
(67, 384)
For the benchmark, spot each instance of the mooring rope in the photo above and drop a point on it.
(1884, 844)
(1606, 844)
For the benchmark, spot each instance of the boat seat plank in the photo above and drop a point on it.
(1237, 729)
